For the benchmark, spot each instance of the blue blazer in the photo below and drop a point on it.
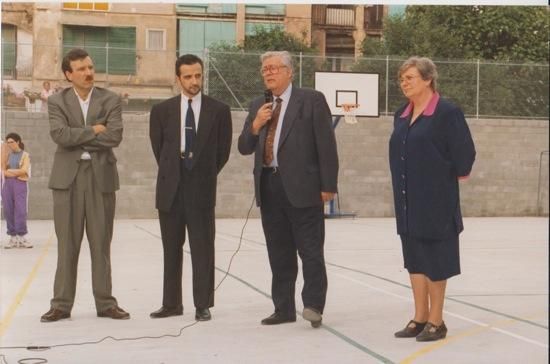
(426, 160)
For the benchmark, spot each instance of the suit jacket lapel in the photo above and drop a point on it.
(174, 118)
(94, 108)
(73, 106)
(205, 124)
(291, 114)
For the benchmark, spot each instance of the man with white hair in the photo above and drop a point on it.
(295, 173)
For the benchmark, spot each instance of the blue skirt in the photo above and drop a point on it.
(436, 259)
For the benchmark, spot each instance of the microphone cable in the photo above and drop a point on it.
(136, 338)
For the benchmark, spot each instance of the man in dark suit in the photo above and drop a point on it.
(295, 172)
(191, 139)
(86, 124)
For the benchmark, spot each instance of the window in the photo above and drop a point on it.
(86, 6)
(9, 50)
(156, 40)
(264, 9)
(196, 35)
(113, 49)
(206, 8)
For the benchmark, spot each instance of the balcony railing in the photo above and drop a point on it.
(333, 17)
(374, 18)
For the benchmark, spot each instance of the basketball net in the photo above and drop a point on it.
(349, 113)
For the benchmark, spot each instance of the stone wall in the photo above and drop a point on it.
(506, 179)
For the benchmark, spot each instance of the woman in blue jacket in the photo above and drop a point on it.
(431, 148)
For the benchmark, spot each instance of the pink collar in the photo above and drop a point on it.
(428, 111)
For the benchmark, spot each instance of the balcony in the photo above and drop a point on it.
(374, 18)
(334, 17)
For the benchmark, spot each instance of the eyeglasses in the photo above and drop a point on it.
(407, 78)
(271, 69)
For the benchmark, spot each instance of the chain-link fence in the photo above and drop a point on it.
(144, 77)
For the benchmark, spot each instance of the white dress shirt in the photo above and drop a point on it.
(84, 105)
(196, 106)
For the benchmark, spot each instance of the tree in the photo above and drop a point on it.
(235, 70)
(456, 38)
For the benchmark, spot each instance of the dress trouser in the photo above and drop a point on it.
(83, 206)
(200, 226)
(289, 229)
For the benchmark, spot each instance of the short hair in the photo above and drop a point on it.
(73, 55)
(187, 59)
(425, 66)
(17, 138)
(285, 57)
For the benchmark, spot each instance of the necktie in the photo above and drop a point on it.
(189, 135)
(271, 129)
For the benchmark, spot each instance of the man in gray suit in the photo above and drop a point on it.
(191, 140)
(85, 123)
(295, 172)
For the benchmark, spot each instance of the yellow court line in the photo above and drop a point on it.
(6, 320)
(438, 344)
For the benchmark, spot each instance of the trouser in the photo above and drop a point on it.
(14, 201)
(83, 206)
(289, 230)
(200, 225)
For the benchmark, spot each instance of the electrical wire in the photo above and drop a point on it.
(82, 343)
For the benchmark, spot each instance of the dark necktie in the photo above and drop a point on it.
(271, 129)
(189, 135)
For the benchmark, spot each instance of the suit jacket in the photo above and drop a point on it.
(211, 149)
(307, 155)
(73, 137)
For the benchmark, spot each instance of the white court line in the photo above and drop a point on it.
(479, 323)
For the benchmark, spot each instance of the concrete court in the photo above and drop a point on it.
(496, 311)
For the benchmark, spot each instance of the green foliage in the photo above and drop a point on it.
(462, 33)
(234, 71)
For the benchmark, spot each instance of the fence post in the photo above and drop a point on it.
(301, 70)
(206, 58)
(387, 81)
(477, 91)
(107, 65)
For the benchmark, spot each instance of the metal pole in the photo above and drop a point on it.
(387, 81)
(477, 91)
(301, 69)
(206, 58)
(107, 65)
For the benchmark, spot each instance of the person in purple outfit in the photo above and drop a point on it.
(16, 166)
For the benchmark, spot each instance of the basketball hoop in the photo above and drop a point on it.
(349, 113)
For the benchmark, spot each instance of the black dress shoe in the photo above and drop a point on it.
(432, 332)
(202, 314)
(54, 315)
(167, 312)
(115, 312)
(277, 318)
(412, 329)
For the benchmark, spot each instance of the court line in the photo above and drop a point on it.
(324, 326)
(450, 298)
(464, 318)
(436, 345)
(8, 316)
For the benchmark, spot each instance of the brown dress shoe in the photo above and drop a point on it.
(167, 312)
(115, 312)
(412, 329)
(432, 332)
(54, 315)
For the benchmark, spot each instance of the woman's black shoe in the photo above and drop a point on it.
(412, 329)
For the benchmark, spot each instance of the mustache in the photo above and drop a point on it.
(89, 78)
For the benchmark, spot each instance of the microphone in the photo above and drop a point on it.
(268, 96)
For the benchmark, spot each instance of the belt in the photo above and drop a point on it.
(273, 170)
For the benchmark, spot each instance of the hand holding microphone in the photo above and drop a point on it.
(264, 113)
